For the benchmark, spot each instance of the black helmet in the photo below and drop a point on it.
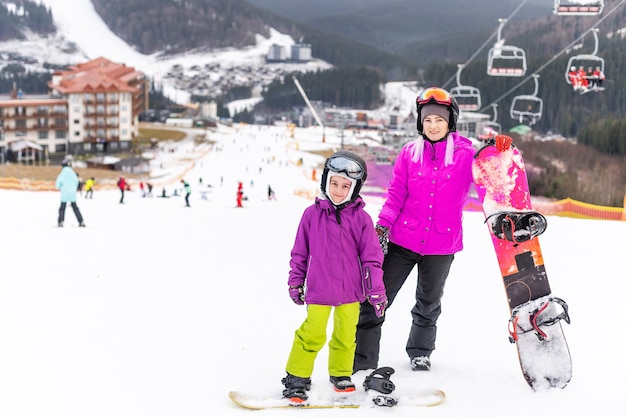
(65, 163)
(436, 95)
(351, 165)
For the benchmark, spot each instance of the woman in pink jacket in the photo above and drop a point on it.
(421, 224)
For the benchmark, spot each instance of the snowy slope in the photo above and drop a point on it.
(159, 310)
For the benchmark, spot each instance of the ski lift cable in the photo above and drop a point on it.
(551, 60)
(487, 42)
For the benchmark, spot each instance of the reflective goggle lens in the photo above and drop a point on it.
(348, 166)
(440, 96)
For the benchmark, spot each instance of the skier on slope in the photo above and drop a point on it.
(335, 262)
(421, 224)
(67, 183)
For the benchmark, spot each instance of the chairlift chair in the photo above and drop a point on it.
(505, 60)
(578, 8)
(527, 107)
(467, 97)
(586, 61)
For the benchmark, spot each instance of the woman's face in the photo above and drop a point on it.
(435, 127)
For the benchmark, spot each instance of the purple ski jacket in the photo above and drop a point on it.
(424, 207)
(336, 255)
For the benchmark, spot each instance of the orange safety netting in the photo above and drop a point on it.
(568, 208)
(563, 208)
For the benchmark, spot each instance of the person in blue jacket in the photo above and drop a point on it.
(67, 183)
(187, 188)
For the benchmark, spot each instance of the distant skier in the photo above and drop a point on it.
(89, 184)
(67, 183)
(240, 194)
(121, 184)
(187, 188)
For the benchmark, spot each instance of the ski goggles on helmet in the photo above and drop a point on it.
(348, 166)
(439, 95)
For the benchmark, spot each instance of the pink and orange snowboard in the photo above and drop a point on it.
(536, 315)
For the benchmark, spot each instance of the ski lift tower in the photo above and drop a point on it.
(308, 103)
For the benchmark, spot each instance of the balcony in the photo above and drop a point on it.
(15, 115)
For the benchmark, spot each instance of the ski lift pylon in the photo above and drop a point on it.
(527, 107)
(578, 8)
(505, 60)
(467, 97)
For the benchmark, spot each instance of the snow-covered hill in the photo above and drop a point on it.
(82, 35)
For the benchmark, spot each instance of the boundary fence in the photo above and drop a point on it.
(564, 208)
(568, 208)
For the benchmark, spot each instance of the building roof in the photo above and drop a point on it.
(98, 76)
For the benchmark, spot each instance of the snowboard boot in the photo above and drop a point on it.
(420, 363)
(342, 383)
(517, 226)
(296, 388)
(379, 387)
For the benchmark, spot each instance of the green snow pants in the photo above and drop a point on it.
(310, 338)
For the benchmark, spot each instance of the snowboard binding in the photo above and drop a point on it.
(537, 318)
(379, 381)
(517, 226)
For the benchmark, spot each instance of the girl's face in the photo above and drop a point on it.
(435, 127)
(339, 188)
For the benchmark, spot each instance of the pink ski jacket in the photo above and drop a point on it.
(424, 207)
(336, 255)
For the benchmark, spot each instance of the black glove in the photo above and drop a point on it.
(297, 294)
(379, 302)
(383, 237)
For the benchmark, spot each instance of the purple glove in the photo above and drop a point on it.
(297, 294)
(379, 302)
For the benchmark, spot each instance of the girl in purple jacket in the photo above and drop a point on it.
(335, 262)
(421, 224)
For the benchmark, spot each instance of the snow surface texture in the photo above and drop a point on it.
(159, 310)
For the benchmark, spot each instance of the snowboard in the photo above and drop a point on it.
(536, 315)
(357, 399)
